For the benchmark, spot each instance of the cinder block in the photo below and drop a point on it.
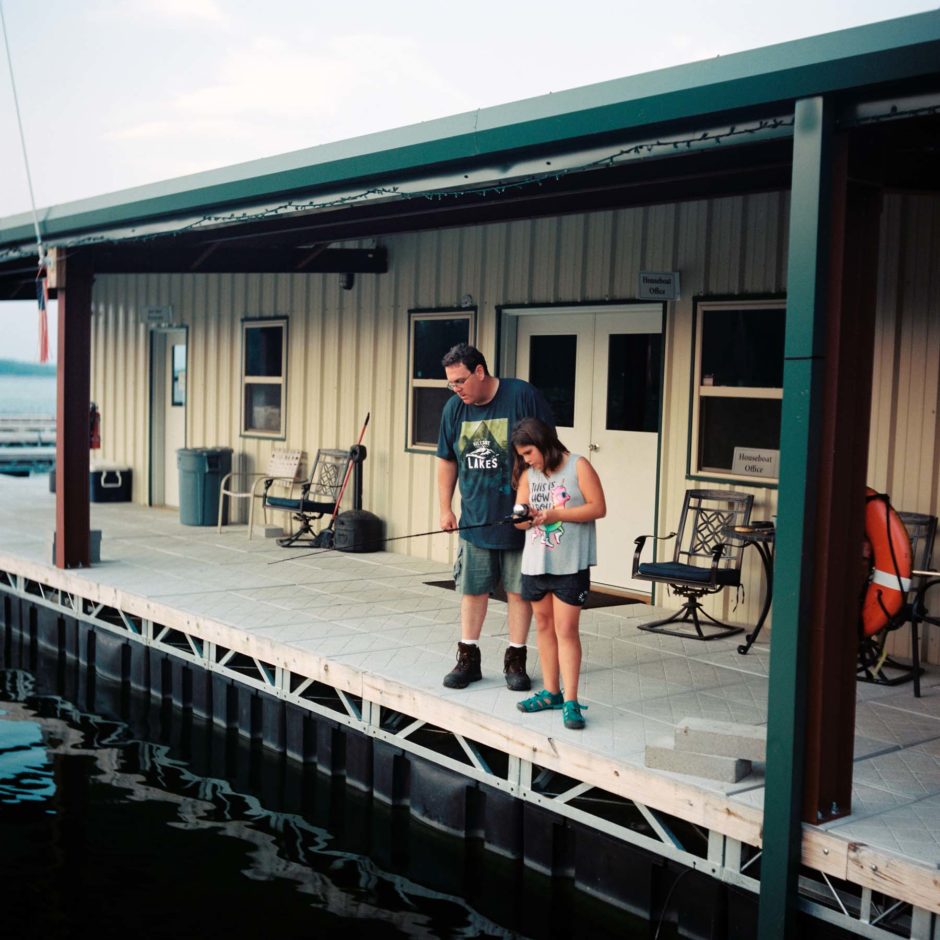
(722, 738)
(94, 547)
(664, 756)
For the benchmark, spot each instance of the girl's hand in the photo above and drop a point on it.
(543, 517)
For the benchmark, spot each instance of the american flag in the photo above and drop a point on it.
(42, 297)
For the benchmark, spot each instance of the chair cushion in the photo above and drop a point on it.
(298, 505)
(675, 571)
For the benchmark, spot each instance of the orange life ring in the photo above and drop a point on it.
(892, 561)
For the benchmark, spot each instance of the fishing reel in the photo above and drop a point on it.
(521, 512)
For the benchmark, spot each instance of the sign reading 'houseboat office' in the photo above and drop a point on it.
(751, 462)
(658, 285)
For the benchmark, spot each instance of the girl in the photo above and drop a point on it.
(565, 497)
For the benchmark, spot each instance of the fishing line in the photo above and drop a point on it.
(19, 123)
(521, 512)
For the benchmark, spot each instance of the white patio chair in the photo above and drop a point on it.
(283, 468)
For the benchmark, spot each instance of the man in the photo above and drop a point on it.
(473, 448)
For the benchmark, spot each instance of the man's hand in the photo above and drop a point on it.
(448, 521)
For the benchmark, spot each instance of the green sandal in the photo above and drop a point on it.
(541, 701)
(571, 713)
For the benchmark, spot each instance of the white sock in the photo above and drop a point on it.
(518, 646)
(469, 642)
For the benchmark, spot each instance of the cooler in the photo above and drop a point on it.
(105, 484)
(109, 484)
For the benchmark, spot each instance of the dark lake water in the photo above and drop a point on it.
(153, 824)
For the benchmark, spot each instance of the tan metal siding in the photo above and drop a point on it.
(348, 349)
(904, 460)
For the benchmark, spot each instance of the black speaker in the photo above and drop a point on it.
(358, 530)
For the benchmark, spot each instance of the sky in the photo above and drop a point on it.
(118, 93)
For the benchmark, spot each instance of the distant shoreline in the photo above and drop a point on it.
(18, 367)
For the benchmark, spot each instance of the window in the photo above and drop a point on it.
(737, 389)
(430, 335)
(179, 375)
(264, 372)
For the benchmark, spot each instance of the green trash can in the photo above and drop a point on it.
(201, 472)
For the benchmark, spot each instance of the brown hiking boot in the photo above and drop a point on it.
(514, 667)
(467, 669)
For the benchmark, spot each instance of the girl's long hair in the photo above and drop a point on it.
(533, 432)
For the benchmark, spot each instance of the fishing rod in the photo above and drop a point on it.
(521, 512)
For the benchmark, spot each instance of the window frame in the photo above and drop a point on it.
(415, 316)
(249, 323)
(698, 391)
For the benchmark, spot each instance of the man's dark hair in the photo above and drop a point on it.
(464, 353)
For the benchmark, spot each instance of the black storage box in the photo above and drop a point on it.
(111, 485)
(358, 531)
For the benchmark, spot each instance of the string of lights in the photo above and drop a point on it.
(657, 148)
(866, 114)
(891, 111)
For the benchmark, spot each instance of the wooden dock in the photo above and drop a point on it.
(27, 444)
(364, 640)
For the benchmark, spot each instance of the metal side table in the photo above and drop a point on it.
(761, 535)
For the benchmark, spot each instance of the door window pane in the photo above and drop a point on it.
(179, 375)
(552, 370)
(633, 370)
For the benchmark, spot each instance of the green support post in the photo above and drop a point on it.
(807, 277)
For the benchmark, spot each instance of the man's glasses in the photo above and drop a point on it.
(458, 383)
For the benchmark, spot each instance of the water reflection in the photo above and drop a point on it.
(82, 768)
(25, 766)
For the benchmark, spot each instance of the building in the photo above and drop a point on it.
(784, 199)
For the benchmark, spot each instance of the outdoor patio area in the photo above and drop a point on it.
(377, 628)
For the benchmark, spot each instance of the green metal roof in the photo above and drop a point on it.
(855, 61)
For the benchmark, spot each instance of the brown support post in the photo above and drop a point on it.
(840, 526)
(73, 395)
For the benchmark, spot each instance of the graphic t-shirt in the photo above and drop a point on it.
(477, 438)
(559, 547)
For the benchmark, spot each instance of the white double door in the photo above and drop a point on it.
(601, 370)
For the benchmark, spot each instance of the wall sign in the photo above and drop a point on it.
(158, 315)
(658, 285)
(751, 462)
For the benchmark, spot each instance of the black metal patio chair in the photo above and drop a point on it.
(703, 561)
(319, 496)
